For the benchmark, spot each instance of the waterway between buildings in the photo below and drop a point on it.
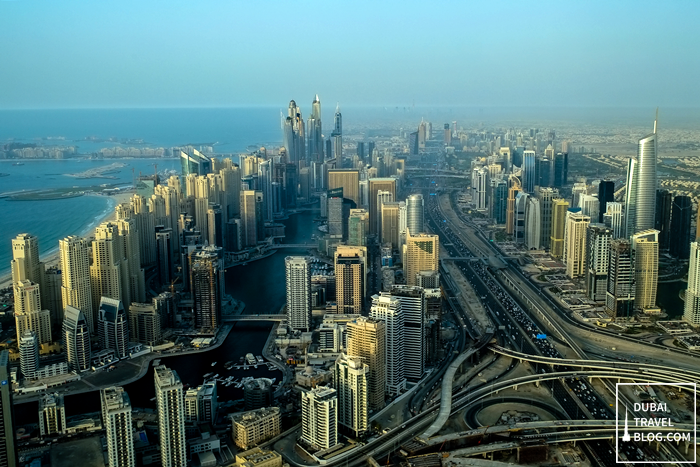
(261, 286)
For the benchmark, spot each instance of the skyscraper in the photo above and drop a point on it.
(597, 261)
(546, 197)
(113, 327)
(375, 186)
(298, 275)
(641, 185)
(109, 272)
(337, 135)
(422, 254)
(350, 277)
(52, 415)
(389, 233)
(25, 263)
(388, 309)
(682, 212)
(350, 381)
(533, 223)
(171, 417)
(116, 419)
(619, 298)
(8, 455)
(662, 222)
(413, 308)
(348, 180)
(28, 312)
(76, 339)
(561, 170)
(691, 312)
(75, 276)
(358, 227)
(613, 218)
(193, 162)
(529, 171)
(606, 194)
(251, 216)
(207, 282)
(498, 200)
(415, 211)
(144, 323)
(559, 210)
(315, 132)
(319, 417)
(366, 339)
(29, 354)
(645, 247)
(575, 243)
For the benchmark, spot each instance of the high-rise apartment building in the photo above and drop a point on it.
(171, 417)
(8, 453)
(388, 309)
(52, 415)
(421, 254)
(51, 295)
(251, 216)
(350, 278)
(546, 198)
(533, 223)
(25, 263)
(28, 312)
(75, 276)
(614, 220)
(76, 339)
(116, 419)
(201, 403)
(681, 214)
(366, 339)
(597, 261)
(641, 186)
(413, 309)
(193, 162)
(319, 417)
(358, 227)
(348, 180)
(113, 327)
(389, 223)
(298, 279)
(350, 379)
(29, 354)
(619, 299)
(375, 186)
(109, 269)
(575, 243)
(645, 246)
(207, 283)
(691, 312)
(144, 323)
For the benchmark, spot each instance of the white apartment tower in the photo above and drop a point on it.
(171, 417)
(319, 417)
(350, 381)
(388, 309)
(116, 418)
(298, 276)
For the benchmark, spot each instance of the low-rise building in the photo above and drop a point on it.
(254, 427)
(258, 458)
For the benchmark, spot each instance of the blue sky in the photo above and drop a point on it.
(68, 54)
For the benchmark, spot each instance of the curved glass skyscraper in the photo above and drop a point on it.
(641, 186)
(415, 216)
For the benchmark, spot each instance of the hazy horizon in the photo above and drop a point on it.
(216, 54)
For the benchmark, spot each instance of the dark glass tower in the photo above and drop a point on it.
(681, 213)
(606, 194)
(662, 221)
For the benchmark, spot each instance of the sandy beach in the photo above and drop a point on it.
(52, 258)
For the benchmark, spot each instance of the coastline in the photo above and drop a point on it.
(52, 257)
